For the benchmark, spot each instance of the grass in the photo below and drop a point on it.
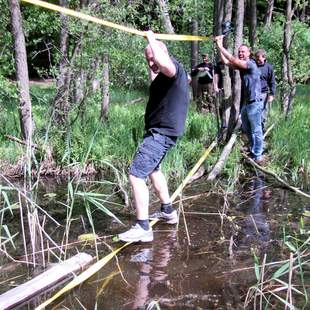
(283, 284)
(289, 143)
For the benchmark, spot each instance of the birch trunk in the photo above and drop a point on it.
(288, 84)
(194, 56)
(164, 9)
(61, 101)
(25, 108)
(236, 89)
(268, 15)
(105, 88)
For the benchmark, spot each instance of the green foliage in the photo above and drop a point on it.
(6, 43)
(271, 41)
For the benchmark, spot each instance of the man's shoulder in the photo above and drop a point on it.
(269, 65)
(251, 65)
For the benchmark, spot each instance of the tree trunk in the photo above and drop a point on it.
(95, 83)
(268, 15)
(25, 108)
(164, 9)
(105, 88)
(225, 105)
(218, 167)
(61, 101)
(288, 84)
(79, 86)
(303, 14)
(226, 75)
(252, 23)
(218, 12)
(236, 89)
(194, 56)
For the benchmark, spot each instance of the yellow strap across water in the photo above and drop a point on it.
(160, 36)
(103, 261)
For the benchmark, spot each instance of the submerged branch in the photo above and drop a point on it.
(292, 188)
(9, 137)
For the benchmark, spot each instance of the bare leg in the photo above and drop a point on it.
(141, 197)
(160, 184)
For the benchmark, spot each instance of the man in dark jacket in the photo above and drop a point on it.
(268, 82)
(204, 72)
(164, 117)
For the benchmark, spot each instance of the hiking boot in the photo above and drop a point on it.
(169, 218)
(136, 233)
(262, 161)
(246, 149)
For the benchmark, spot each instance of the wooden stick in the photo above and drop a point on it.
(47, 279)
(35, 146)
(292, 188)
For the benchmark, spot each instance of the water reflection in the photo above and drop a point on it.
(153, 272)
(254, 227)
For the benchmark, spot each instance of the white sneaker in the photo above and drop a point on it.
(136, 233)
(169, 218)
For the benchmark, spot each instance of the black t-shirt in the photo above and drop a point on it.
(168, 104)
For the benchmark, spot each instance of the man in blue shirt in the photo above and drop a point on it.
(268, 82)
(252, 105)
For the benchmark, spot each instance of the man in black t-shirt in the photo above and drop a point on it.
(204, 72)
(165, 116)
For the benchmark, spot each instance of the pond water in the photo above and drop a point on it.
(206, 262)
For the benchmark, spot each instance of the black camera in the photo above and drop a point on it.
(227, 27)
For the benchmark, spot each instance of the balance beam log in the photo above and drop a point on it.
(42, 282)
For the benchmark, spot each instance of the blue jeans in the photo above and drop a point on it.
(251, 116)
(150, 154)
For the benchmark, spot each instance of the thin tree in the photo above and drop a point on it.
(105, 88)
(61, 100)
(218, 14)
(252, 23)
(235, 107)
(227, 93)
(288, 84)
(194, 56)
(25, 108)
(268, 15)
(164, 10)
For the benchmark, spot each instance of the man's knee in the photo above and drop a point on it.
(134, 180)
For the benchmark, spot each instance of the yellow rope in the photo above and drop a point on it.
(160, 36)
(99, 264)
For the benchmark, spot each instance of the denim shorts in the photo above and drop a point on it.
(150, 153)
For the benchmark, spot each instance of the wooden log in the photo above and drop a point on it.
(285, 184)
(217, 168)
(42, 282)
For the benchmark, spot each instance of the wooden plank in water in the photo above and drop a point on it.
(42, 282)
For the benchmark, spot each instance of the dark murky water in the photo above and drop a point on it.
(204, 263)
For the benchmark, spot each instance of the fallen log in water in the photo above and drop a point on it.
(47, 279)
(285, 184)
(217, 168)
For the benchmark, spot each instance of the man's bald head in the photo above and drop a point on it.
(150, 56)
